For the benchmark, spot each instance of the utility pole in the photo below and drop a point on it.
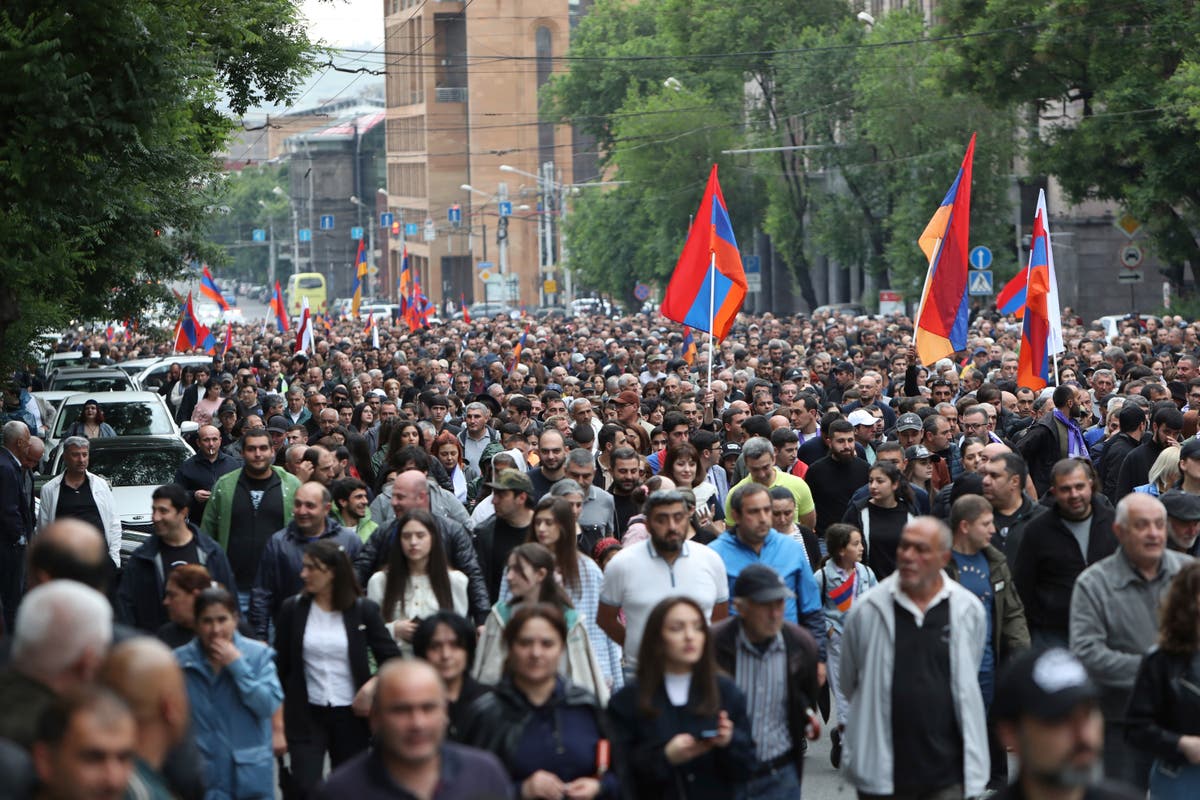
(271, 256)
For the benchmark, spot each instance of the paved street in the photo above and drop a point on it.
(821, 780)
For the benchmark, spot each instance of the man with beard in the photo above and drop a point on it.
(1183, 521)
(1046, 712)
(1053, 437)
(1057, 546)
(833, 479)
(627, 475)
(1166, 424)
(552, 448)
(668, 564)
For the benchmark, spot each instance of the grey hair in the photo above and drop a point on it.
(1128, 500)
(57, 624)
(945, 535)
(566, 486)
(76, 441)
(14, 431)
(581, 457)
(757, 447)
(477, 406)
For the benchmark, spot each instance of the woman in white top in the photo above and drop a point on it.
(323, 636)
(418, 580)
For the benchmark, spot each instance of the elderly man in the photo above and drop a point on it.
(930, 739)
(1183, 521)
(80, 494)
(476, 434)
(1114, 620)
(598, 518)
(199, 472)
(16, 518)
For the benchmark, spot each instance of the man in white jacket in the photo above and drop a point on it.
(82, 495)
(917, 725)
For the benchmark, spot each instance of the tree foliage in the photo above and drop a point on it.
(1114, 86)
(249, 201)
(109, 118)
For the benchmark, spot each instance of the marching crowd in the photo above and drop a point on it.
(550, 559)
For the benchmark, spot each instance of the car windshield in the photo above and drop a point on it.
(92, 383)
(125, 467)
(127, 418)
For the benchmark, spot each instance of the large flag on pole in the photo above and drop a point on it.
(944, 311)
(688, 349)
(189, 333)
(360, 274)
(277, 306)
(304, 332)
(1041, 329)
(209, 288)
(708, 286)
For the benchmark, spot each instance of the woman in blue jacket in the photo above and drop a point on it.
(680, 730)
(233, 689)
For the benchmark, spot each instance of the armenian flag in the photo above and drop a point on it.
(843, 595)
(1011, 299)
(1041, 329)
(281, 317)
(360, 272)
(516, 359)
(189, 333)
(688, 351)
(708, 286)
(943, 314)
(209, 288)
(405, 283)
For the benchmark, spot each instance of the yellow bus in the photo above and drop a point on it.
(306, 284)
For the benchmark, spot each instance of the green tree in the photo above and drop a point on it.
(248, 200)
(109, 118)
(1114, 87)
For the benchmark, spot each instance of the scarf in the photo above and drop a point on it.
(1076, 446)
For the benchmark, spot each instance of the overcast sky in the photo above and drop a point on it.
(345, 22)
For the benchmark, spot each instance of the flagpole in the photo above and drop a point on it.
(712, 311)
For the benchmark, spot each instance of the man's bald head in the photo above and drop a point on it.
(68, 549)
(410, 490)
(994, 449)
(146, 675)
(33, 453)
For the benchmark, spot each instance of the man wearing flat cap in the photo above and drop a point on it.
(1047, 711)
(1183, 521)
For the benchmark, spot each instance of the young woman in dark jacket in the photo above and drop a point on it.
(1163, 717)
(322, 639)
(680, 730)
(545, 730)
(447, 642)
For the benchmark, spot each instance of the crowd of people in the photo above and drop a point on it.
(550, 559)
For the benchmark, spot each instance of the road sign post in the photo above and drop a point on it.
(980, 258)
(327, 222)
(980, 284)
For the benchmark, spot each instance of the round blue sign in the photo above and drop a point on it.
(980, 257)
(641, 292)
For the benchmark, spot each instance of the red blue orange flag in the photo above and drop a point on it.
(189, 333)
(405, 284)
(1011, 299)
(228, 339)
(360, 273)
(1041, 329)
(944, 311)
(688, 351)
(516, 356)
(277, 306)
(209, 288)
(708, 286)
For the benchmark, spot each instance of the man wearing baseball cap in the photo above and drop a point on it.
(909, 430)
(1047, 712)
(774, 663)
(512, 493)
(864, 431)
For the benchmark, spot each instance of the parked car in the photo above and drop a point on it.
(129, 414)
(90, 379)
(134, 466)
(1113, 323)
(151, 373)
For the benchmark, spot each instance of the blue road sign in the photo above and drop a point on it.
(356, 233)
(386, 219)
(484, 265)
(752, 264)
(411, 228)
(259, 235)
(304, 234)
(327, 222)
(980, 283)
(454, 214)
(505, 208)
(980, 258)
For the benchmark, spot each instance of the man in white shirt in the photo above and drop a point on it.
(667, 564)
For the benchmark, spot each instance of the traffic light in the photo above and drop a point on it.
(502, 229)
(396, 229)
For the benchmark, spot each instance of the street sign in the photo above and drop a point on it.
(505, 208)
(980, 258)
(484, 266)
(641, 292)
(753, 281)
(890, 302)
(327, 222)
(550, 286)
(981, 283)
(386, 219)
(485, 276)
(1130, 276)
(1131, 256)
(752, 264)
(430, 230)
(356, 233)
(411, 228)
(1128, 225)
(454, 214)
(304, 234)
(259, 235)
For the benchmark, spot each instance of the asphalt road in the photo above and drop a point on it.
(821, 780)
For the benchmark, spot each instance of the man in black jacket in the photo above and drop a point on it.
(1131, 421)
(411, 490)
(1058, 545)
(199, 472)
(1166, 423)
(751, 647)
(1050, 438)
(175, 541)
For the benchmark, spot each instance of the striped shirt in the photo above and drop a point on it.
(762, 677)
